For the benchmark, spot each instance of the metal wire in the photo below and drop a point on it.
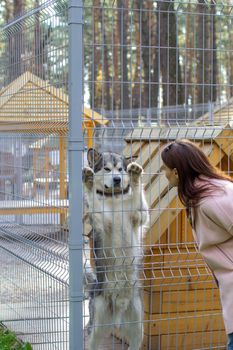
(34, 176)
(153, 72)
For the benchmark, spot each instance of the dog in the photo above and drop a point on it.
(117, 212)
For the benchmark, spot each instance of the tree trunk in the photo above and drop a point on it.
(230, 58)
(203, 92)
(38, 47)
(146, 33)
(96, 88)
(122, 30)
(116, 79)
(145, 56)
(155, 61)
(189, 59)
(169, 54)
(213, 47)
(16, 43)
(8, 11)
(106, 76)
(136, 96)
(18, 7)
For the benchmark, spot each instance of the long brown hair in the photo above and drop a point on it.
(191, 164)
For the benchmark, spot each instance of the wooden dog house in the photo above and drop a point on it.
(181, 301)
(30, 105)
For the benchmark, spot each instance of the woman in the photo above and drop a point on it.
(207, 194)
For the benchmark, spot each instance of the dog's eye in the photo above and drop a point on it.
(107, 169)
(120, 169)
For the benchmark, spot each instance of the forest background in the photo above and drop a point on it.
(137, 54)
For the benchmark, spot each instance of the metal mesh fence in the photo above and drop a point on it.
(153, 72)
(158, 71)
(34, 176)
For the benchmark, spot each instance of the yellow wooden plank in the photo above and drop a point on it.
(181, 284)
(48, 127)
(187, 341)
(193, 340)
(33, 210)
(174, 231)
(147, 153)
(174, 259)
(176, 274)
(161, 216)
(181, 301)
(225, 140)
(96, 117)
(153, 302)
(173, 323)
(152, 167)
(151, 342)
(186, 229)
(198, 300)
(133, 149)
(156, 190)
(177, 279)
(15, 207)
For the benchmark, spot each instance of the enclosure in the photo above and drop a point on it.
(124, 76)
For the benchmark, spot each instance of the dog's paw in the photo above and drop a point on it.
(135, 169)
(88, 176)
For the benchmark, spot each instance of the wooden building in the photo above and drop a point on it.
(31, 106)
(181, 301)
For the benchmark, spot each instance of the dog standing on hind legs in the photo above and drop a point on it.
(117, 212)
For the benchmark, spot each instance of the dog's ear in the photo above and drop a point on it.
(93, 157)
(128, 160)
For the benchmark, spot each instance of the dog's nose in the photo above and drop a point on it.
(116, 180)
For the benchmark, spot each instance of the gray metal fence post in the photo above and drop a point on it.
(75, 173)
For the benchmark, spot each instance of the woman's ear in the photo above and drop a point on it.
(175, 172)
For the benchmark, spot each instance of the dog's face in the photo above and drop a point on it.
(110, 170)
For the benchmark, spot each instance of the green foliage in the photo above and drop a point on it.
(27, 346)
(9, 341)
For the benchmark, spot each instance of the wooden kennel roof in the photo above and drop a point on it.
(220, 115)
(147, 144)
(30, 104)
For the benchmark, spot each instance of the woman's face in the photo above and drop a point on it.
(171, 175)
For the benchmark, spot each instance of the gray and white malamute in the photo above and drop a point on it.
(117, 212)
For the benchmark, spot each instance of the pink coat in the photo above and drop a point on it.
(213, 230)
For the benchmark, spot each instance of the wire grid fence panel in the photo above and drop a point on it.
(158, 71)
(34, 176)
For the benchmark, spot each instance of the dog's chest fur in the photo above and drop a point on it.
(116, 240)
(117, 223)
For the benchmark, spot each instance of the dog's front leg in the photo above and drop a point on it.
(139, 203)
(88, 179)
(95, 206)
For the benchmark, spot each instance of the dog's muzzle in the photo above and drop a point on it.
(111, 191)
(116, 181)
